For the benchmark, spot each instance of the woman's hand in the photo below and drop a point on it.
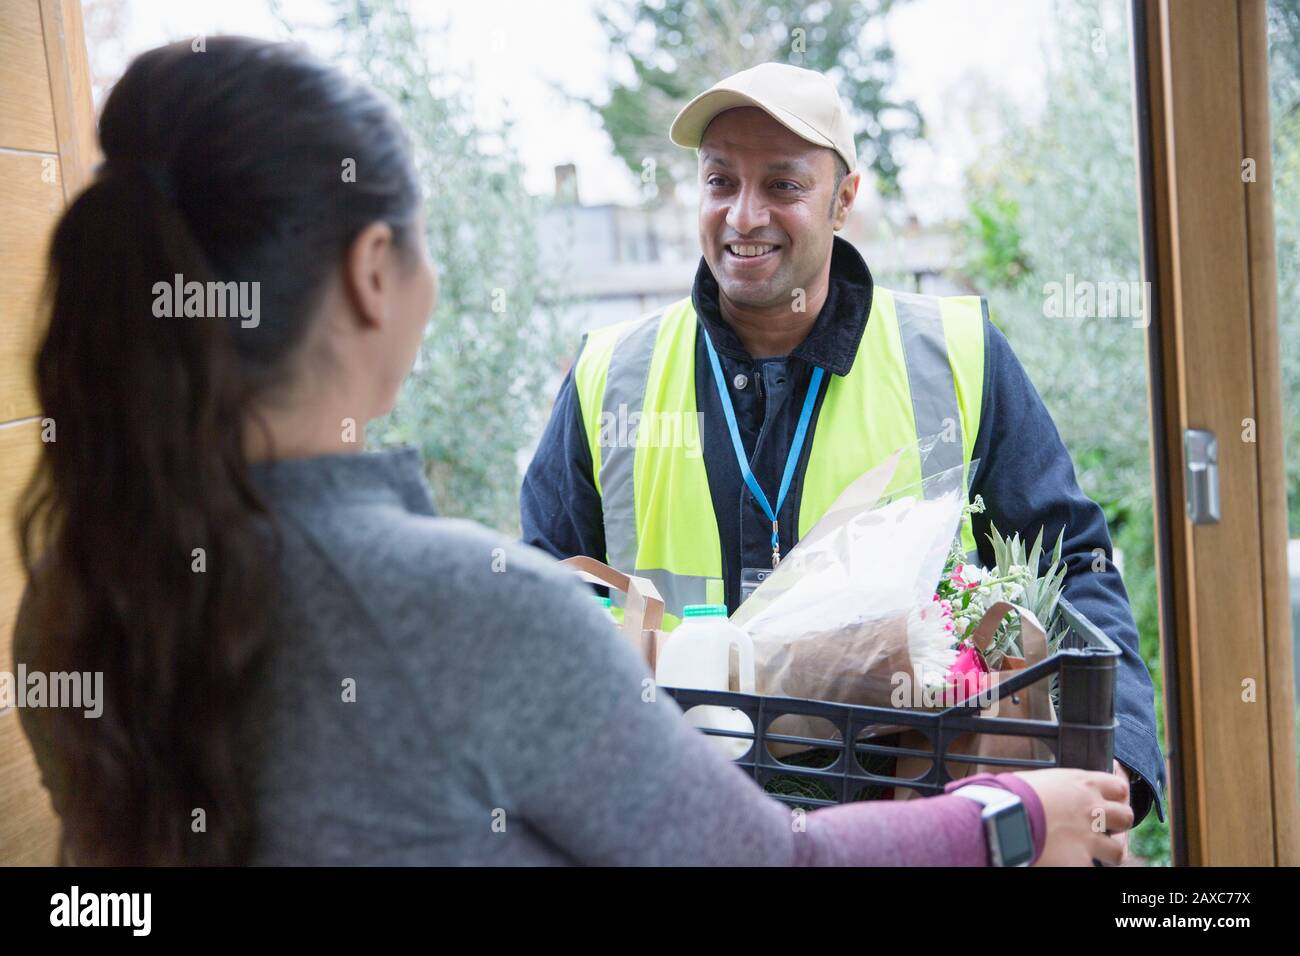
(1087, 814)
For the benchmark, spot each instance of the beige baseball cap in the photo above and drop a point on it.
(803, 101)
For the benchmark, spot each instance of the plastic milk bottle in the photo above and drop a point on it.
(698, 655)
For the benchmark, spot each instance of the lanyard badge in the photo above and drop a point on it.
(750, 579)
(796, 446)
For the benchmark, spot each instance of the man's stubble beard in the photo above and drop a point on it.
(773, 292)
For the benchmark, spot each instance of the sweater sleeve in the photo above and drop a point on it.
(586, 753)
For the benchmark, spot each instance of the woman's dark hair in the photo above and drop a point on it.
(250, 162)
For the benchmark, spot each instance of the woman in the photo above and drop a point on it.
(301, 663)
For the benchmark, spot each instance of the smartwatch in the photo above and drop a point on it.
(1006, 824)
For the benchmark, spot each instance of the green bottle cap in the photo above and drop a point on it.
(704, 610)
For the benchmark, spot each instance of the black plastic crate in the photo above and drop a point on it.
(1083, 735)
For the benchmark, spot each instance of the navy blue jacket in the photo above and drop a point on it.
(1025, 476)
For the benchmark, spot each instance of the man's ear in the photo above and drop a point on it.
(367, 273)
(844, 198)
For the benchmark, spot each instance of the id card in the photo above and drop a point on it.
(750, 579)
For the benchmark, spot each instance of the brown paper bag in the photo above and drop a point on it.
(1030, 703)
(839, 667)
(643, 611)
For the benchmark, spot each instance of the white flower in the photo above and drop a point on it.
(930, 638)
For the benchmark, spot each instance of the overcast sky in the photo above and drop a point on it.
(950, 54)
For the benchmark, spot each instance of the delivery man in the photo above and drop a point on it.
(788, 373)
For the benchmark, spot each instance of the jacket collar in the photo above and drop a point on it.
(833, 341)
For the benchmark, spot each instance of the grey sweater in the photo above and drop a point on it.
(437, 694)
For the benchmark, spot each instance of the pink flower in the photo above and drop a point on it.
(965, 576)
(945, 612)
(967, 670)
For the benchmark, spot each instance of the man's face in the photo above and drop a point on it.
(766, 217)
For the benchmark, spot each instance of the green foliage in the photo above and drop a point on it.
(994, 257)
(1058, 199)
(1149, 841)
(674, 49)
(1040, 597)
(1284, 85)
(1284, 88)
(481, 385)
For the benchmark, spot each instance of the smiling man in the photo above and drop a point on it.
(803, 375)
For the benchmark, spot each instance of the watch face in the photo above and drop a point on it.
(1015, 842)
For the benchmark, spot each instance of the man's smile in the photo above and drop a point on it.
(750, 254)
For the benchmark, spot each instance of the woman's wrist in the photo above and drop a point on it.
(1013, 784)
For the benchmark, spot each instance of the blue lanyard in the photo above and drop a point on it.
(800, 432)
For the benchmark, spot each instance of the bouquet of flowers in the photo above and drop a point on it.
(877, 605)
(967, 591)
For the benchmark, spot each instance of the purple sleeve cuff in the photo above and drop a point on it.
(1028, 796)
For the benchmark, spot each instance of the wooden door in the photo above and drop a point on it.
(47, 147)
(1209, 253)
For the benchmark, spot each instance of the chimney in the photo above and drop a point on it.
(566, 184)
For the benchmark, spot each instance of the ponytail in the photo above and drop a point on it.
(149, 553)
(157, 539)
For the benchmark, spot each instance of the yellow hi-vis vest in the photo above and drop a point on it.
(918, 372)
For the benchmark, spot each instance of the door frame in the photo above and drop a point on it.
(1201, 89)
